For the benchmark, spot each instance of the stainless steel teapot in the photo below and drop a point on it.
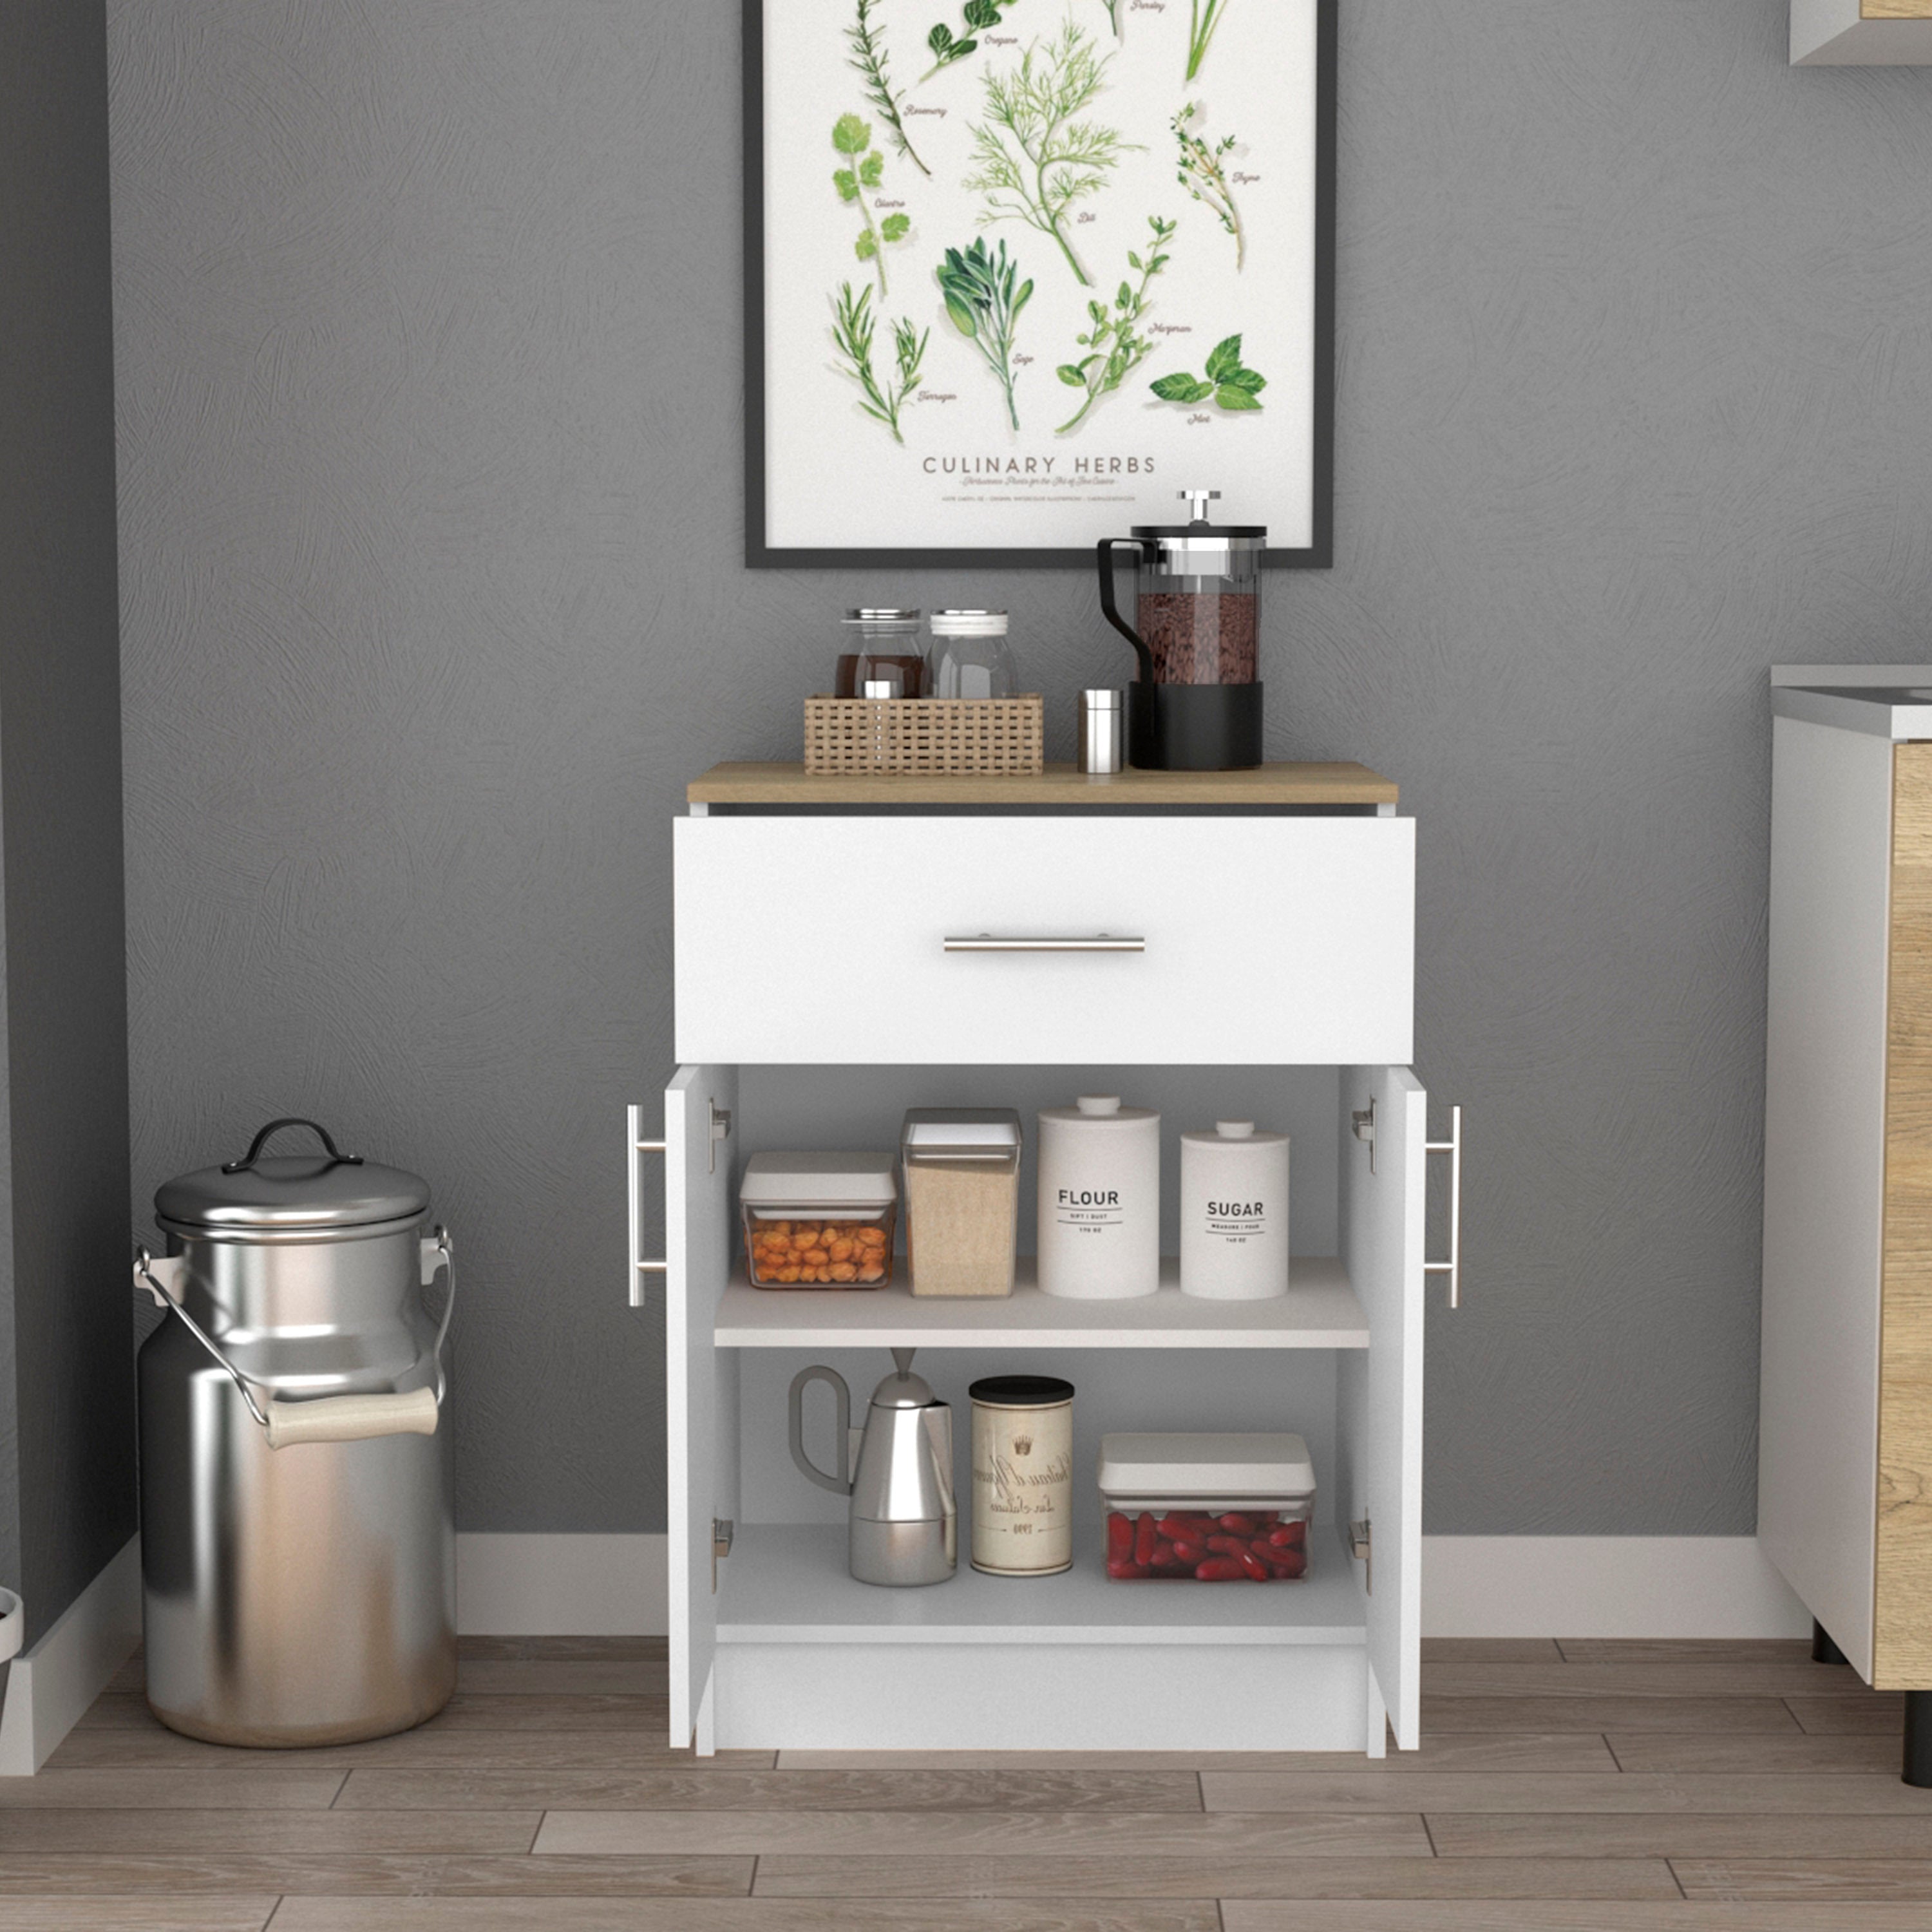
(905, 1520)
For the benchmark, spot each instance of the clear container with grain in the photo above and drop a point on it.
(962, 1188)
(819, 1220)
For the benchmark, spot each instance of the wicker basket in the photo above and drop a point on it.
(924, 735)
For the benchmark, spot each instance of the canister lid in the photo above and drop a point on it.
(880, 616)
(1100, 1110)
(1020, 1391)
(305, 1190)
(1206, 1465)
(819, 1180)
(969, 623)
(1232, 1133)
(961, 1133)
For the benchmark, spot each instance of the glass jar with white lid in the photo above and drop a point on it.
(970, 656)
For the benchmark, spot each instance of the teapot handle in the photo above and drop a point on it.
(1111, 611)
(840, 1485)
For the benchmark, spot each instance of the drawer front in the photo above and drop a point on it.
(1265, 941)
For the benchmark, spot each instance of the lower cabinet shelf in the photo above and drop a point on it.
(788, 1583)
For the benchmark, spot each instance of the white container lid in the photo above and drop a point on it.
(819, 1180)
(1101, 1111)
(1221, 1466)
(962, 1132)
(969, 623)
(1229, 1132)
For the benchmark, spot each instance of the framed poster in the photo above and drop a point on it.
(1017, 271)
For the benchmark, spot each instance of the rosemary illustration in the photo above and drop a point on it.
(853, 327)
(979, 15)
(1114, 345)
(1035, 160)
(1202, 20)
(983, 305)
(852, 138)
(1204, 177)
(1232, 385)
(1204, 15)
(868, 60)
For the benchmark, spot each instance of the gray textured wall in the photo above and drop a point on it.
(428, 350)
(69, 1469)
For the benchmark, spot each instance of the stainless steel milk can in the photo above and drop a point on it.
(297, 1562)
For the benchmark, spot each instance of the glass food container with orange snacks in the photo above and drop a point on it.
(819, 1220)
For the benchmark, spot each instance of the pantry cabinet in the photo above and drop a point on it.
(1240, 944)
(1845, 1456)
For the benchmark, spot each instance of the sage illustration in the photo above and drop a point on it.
(852, 138)
(1204, 16)
(1034, 160)
(983, 305)
(868, 61)
(1115, 346)
(1204, 177)
(979, 15)
(853, 326)
(1232, 385)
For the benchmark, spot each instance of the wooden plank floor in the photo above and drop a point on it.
(1587, 1786)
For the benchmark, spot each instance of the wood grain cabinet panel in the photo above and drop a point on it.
(1902, 1648)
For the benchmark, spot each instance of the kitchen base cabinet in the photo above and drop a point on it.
(773, 1645)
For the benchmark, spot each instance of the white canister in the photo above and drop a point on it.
(1022, 1475)
(1234, 1214)
(1099, 1199)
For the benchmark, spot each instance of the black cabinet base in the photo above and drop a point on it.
(1194, 728)
(1823, 1650)
(1918, 1738)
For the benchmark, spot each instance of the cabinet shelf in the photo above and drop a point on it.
(788, 1584)
(1319, 1311)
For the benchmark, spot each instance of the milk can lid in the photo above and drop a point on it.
(325, 1190)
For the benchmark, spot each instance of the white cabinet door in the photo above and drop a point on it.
(1261, 941)
(1378, 1417)
(700, 1423)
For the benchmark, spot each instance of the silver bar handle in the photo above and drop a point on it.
(633, 1118)
(1452, 1266)
(987, 942)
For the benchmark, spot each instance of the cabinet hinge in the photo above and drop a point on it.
(721, 1546)
(1359, 1541)
(721, 1126)
(1363, 1119)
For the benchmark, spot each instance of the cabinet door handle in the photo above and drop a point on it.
(987, 942)
(633, 1119)
(1452, 1266)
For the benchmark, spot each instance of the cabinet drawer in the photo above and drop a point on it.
(1283, 940)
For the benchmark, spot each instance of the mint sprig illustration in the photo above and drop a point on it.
(852, 138)
(1228, 383)
(983, 305)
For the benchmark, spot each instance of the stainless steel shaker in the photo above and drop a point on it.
(1102, 717)
(904, 1520)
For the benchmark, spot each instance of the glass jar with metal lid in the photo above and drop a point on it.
(880, 647)
(1196, 705)
(970, 656)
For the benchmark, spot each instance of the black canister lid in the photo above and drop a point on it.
(324, 1190)
(1020, 1391)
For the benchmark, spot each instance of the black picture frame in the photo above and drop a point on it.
(1318, 553)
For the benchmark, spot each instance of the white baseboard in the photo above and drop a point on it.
(1663, 1586)
(48, 1686)
(1627, 1586)
(543, 1585)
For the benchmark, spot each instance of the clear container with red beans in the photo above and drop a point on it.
(1207, 1509)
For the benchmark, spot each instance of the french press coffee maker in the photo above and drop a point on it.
(1196, 705)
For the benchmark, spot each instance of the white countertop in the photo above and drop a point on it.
(1892, 701)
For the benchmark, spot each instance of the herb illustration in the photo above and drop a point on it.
(1204, 15)
(1113, 8)
(1232, 386)
(984, 305)
(1114, 345)
(852, 138)
(1035, 160)
(868, 60)
(1203, 177)
(853, 327)
(979, 16)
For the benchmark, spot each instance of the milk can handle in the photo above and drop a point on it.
(343, 1418)
(261, 1140)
